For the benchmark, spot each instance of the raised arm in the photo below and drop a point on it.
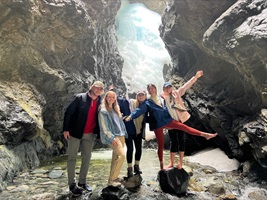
(189, 83)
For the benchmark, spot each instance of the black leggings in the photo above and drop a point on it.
(177, 142)
(137, 139)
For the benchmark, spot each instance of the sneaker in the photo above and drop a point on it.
(85, 187)
(137, 169)
(75, 190)
(114, 183)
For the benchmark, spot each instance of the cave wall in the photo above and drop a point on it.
(227, 40)
(49, 51)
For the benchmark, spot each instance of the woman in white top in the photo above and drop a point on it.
(178, 111)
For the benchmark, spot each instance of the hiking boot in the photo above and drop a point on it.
(129, 172)
(137, 169)
(75, 190)
(85, 187)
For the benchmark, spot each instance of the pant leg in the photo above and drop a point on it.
(160, 139)
(174, 140)
(87, 144)
(174, 124)
(181, 140)
(138, 147)
(73, 148)
(129, 151)
(117, 160)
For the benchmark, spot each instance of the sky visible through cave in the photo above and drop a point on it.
(140, 46)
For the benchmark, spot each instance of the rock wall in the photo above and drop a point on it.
(49, 50)
(227, 40)
(158, 6)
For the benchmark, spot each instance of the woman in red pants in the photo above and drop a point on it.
(159, 118)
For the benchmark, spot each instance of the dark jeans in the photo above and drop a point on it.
(137, 139)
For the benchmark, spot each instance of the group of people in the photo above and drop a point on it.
(119, 121)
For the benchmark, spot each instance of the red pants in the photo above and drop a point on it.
(174, 124)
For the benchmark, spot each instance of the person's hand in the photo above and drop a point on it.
(111, 87)
(116, 142)
(128, 118)
(199, 74)
(66, 135)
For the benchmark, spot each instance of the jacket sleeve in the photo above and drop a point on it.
(186, 86)
(139, 111)
(71, 110)
(106, 134)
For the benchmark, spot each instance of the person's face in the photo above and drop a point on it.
(97, 90)
(152, 90)
(141, 97)
(110, 98)
(167, 90)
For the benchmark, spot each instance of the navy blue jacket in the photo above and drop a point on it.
(75, 116)
(125, 110)
(158, 116)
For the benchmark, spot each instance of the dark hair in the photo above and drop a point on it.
(151, 85)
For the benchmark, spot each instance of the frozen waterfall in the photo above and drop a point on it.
(140, 46)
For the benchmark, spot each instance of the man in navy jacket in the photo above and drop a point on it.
(81, 128)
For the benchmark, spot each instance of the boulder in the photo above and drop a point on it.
(133, 182)
(114, 193)
(174, 181)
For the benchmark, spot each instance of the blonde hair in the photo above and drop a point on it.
(136, 102)
(115, 105)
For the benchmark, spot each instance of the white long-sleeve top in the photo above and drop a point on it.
(179, 114)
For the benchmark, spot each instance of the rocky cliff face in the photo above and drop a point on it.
(51, 49)
(227, 40)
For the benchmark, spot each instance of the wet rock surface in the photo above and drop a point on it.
(204, 182)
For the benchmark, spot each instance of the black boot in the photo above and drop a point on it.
(137, 169)
(75, 190)
(129, 172)
(85, 187)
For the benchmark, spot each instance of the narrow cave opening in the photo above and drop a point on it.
(141, 46)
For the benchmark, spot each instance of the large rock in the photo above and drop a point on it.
(133, 182)
(158, 7)
(114, 193)
(174, 181)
